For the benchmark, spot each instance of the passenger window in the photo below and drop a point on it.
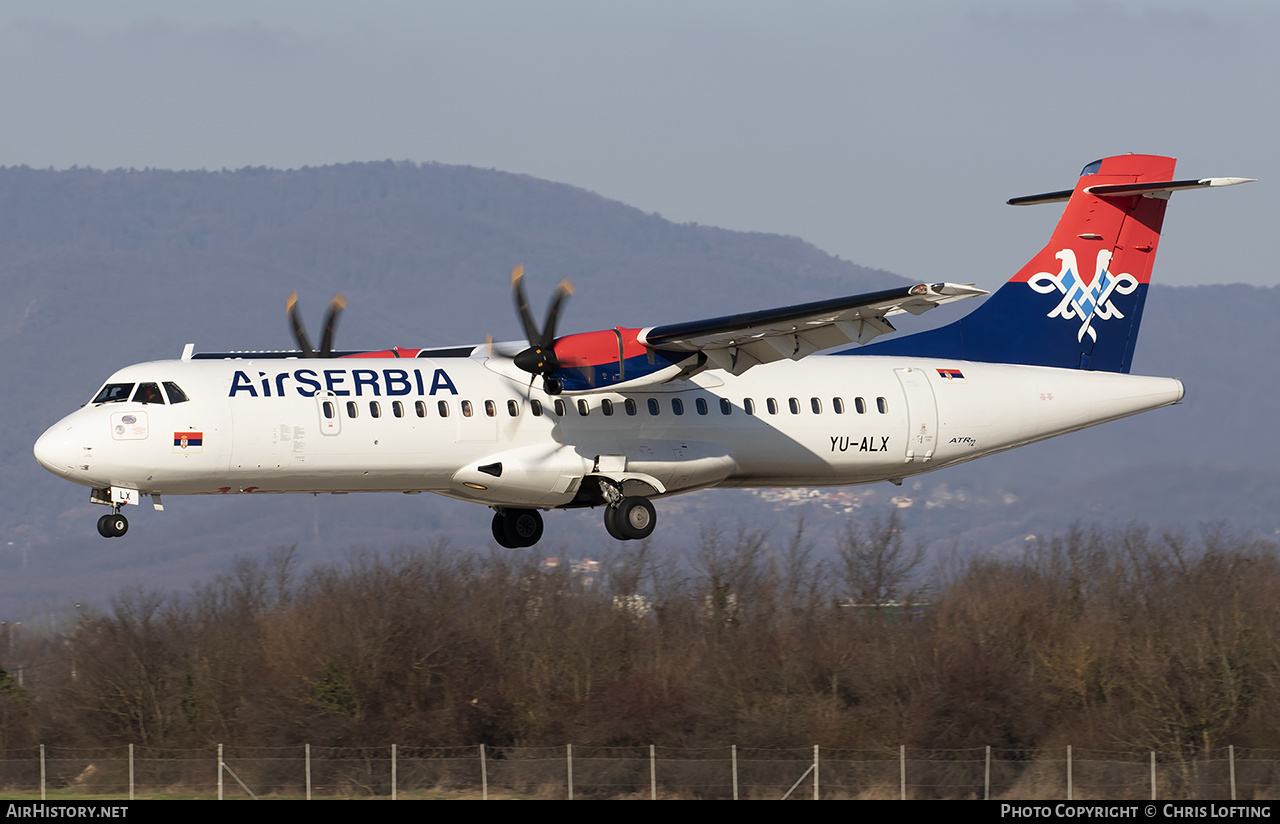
(329, 411)
(653, 406)
(838, 405)
(882, 405)
(353, 411)
(701, 404)
(443, 408)
(559, 408)
(113, 392)
(148, 393)
(773, 406)
(630, 405)
(513, 409)
(606, 406)
(491, 409)
(860, 405)
(815, 405)
(175, 394)
(794, 405)
(375, 409)
(583, 409)
(397, 409)
(677, 406)
(748, 406)
(536, 407)
(467, 411)
(420, 407)
(726, 408)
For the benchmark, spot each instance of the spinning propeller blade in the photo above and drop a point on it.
(336, 306)
(540, 357)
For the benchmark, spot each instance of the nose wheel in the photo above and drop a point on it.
(113, 525)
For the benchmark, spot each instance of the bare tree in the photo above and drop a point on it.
(876, 565)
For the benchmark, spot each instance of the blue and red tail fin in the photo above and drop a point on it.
(1078, 303)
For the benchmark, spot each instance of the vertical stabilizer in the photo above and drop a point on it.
(1078, 303)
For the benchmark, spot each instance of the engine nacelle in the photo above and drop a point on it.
(544, 475)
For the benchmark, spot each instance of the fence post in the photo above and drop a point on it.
(653, 776)
(902, 770)
(1069, 788)
(815, 772)
(484, 776)
(393, 772)
(130, 772)
(986, 781)
(219, 772)
(42, 788)
(307, 748)
(1232, 754)
(1153, 775)
(733, 754)
(569, 758)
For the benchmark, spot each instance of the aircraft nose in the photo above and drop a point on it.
(55, 449)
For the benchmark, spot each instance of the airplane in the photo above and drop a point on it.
(616, 418)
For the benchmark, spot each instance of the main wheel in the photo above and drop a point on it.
(523, 526)
(104, 526)
(636, 518)
(611, 524)
(499, 527)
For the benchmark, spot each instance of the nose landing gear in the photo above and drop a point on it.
(113, 525)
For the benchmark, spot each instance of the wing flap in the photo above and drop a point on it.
(735, 343)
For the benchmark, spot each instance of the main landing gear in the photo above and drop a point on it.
(517, 528)
(626, 519)
(630, 519)
(113, 525)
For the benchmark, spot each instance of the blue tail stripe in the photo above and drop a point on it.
(1014, 326)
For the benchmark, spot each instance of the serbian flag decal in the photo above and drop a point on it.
(186, 442)
(951, 374)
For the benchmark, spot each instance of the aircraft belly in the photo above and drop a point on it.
(679, 464)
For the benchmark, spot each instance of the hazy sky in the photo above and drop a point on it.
(888, 134)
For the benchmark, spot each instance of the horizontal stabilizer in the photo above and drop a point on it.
(1151, 189)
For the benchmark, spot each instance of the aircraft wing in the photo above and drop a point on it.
(736, 343)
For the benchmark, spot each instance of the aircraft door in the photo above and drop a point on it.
(922, 414)
(330, 413)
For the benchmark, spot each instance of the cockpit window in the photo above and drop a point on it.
(176, 395)
(113, 392)
(148, 393)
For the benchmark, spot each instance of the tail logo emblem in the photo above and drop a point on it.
(1081, 300)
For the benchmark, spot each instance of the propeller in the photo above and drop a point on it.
(540, 357)
(336, 306)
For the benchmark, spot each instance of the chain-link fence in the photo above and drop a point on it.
(636, 773)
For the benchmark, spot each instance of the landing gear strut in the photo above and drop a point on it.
(517, 528)
(113, 525)
(630, 519)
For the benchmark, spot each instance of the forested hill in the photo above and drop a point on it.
(102, 269)
(424, 251)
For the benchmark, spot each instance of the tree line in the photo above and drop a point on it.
(1100, 639)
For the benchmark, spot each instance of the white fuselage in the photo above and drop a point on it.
(373, 425)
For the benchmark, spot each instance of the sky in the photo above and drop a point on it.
(887, 134)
